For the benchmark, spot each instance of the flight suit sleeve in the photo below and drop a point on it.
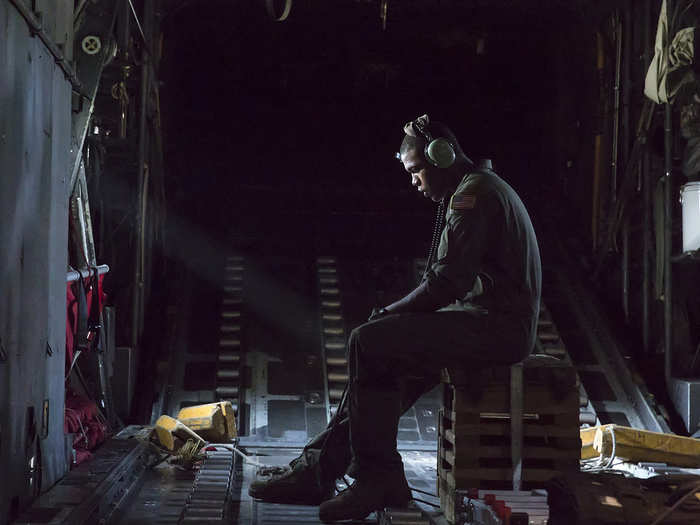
(471, 225)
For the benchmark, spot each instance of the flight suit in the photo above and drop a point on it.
(487, 274)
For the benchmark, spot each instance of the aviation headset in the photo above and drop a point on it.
(438, 151)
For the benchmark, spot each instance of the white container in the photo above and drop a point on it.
(690, 199)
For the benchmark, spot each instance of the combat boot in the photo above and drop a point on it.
(366, 496)
(300, 485)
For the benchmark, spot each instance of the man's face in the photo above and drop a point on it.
(426, 178)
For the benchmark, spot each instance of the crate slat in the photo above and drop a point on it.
(537, 399)
(565, 426)
(529, 452)
(480, 477)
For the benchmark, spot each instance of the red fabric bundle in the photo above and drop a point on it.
(73, 314)
(81, 415)
(83, 420)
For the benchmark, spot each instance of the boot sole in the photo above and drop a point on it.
(330, 518)
(289, 499)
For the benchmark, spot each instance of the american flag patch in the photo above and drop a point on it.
(465, 201)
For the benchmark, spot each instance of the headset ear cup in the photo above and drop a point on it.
(440, 153)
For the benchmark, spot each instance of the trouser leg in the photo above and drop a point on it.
(374, 418)
(381, 354)
(330, 451)
(374, 412)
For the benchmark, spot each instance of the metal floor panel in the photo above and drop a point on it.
(284, 388)
(162, 497)
(283, 419)
(95, 488)
(420, 468)
(291, 420)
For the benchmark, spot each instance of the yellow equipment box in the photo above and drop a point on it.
(215, 422)
(587, 450)
(640, 445)
(172, 434)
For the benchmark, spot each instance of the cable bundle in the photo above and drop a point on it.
(437, 233)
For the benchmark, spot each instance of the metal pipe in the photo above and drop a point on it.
(616, 112)
(142, 245)
(626, 269)
(89, 237)
(626, 80)
(124, 29)
(595, 205)
(74, 275)
(138, 23)
(149, 11)
(36, 28)
(77, 218)
(138, 277)
(646, 245)
(124, 19)
(646, 196)
(626, 63)
(668, 223)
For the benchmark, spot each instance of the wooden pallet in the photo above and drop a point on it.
(474, 446)
(474, 452)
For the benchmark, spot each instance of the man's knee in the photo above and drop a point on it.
(355, 336)
(363, 347)
(359, 336)
(365, 337)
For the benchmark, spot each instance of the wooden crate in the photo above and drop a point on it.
(474, 446)
(474, 430)
(475, 451)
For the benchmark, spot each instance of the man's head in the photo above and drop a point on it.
(431, 181)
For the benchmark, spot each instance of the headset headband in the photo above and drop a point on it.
(420, 128)
(439, 151)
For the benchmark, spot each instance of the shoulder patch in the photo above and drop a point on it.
(463, 201)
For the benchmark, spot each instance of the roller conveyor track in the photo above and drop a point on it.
(614, 394)
(208, 502)
(228, 372)
(332, 325)
(549, 342)
(207, 352)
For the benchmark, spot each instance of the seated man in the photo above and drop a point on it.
(477, 305)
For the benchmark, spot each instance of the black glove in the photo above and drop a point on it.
(377, 313)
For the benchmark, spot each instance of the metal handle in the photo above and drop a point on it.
(74, 275)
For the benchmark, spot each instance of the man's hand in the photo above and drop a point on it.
(377, 313)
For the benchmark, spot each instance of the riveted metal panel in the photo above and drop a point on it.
(35, 129)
